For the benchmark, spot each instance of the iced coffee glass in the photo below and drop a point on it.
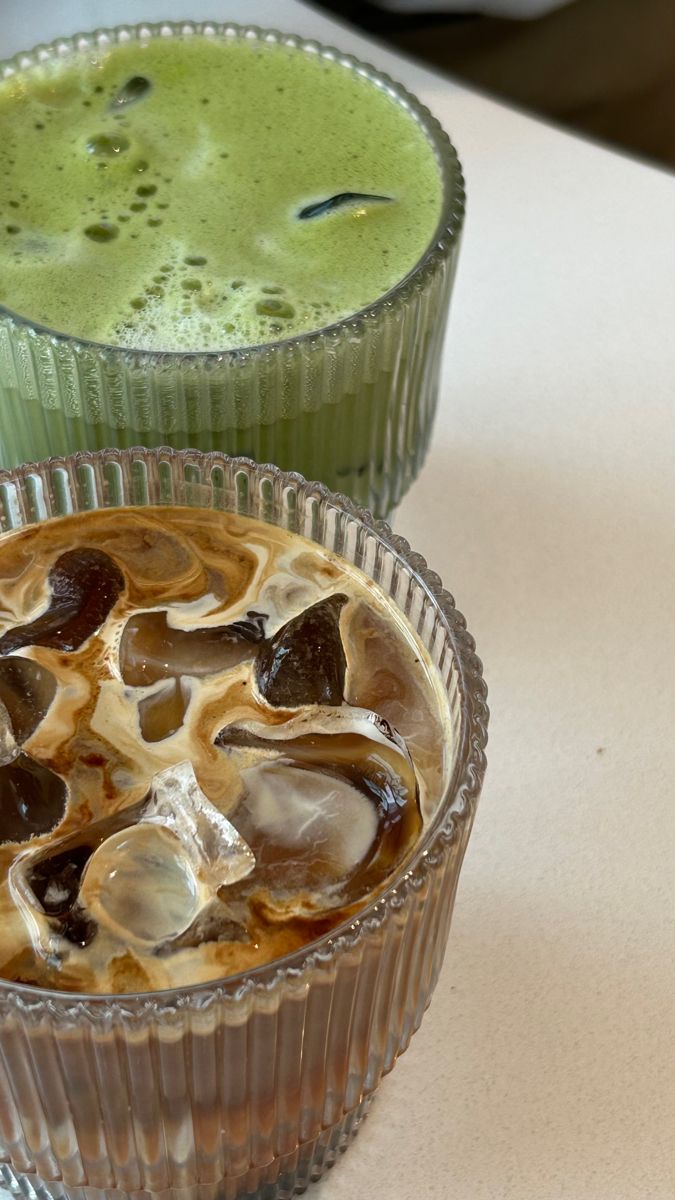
(350, 402)
(250, 1085)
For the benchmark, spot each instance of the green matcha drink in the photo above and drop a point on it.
(153, 195)
(201, 238)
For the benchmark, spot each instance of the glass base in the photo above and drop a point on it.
(286, 1176)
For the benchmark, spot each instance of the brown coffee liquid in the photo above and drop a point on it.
(217, 742)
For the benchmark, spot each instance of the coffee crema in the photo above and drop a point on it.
(218, 741)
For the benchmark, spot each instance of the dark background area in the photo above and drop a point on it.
(605, 68)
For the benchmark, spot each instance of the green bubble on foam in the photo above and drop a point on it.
(108, 145)
(101, 232)
(275, 308)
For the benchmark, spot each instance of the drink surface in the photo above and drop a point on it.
(151, 193)
(217, 742)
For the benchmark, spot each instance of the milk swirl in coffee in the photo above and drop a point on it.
(218, 741)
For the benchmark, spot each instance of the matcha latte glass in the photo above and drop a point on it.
(350, 400)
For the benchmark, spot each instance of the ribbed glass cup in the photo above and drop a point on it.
(352, 404)
(250, 1086)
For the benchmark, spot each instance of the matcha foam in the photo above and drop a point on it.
(151, 192)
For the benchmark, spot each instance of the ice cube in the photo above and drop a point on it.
(218, 853)
(144, 874)
(8, 744)
(84, 585)
(304, 663)
(45, 884)
(26, 692)
(215, 923)
(32, 797)
(357, 741)
(55, 879)
(140, 885)
(398, 690)
(151, 649)
(307, 829)
(334, 795)
(162, 712)
(149, 882)
(78, 927)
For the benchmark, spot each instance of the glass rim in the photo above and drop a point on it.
(455, 808)
(445, 235)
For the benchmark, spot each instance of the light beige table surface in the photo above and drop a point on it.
(545, 1068)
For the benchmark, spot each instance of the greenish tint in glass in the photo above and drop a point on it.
(352, 404)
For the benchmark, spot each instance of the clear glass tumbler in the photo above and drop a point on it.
(250, 1086)
(352, 404)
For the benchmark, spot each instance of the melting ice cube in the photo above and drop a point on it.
(140, 885)
(8, 745)
(309, 829)
(84, 585)
(304, 663)
(218, 853)
(32, 797)
(162, 712)
(151, 649)
(144, 875)
(45, 885)
(149, 882)
(332, 799)
(26, 691)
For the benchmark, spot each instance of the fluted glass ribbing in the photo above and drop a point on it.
(251, 1086)
(352, 405)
